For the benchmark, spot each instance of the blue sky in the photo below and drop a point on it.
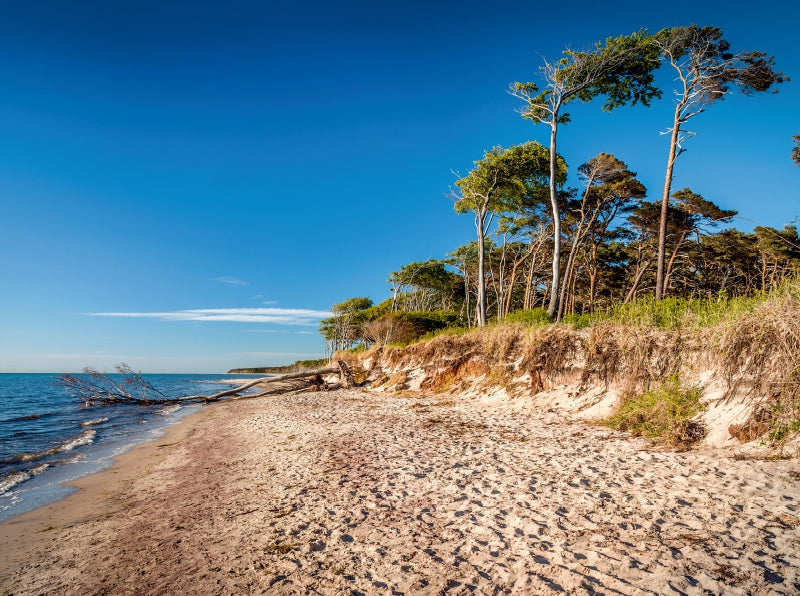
(189, 186)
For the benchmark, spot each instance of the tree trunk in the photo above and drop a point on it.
(527, 303)
(593, 277)
(552, 309)
(133, 389)
(466, 295)
(637, 280)
(671, 264)
(572, 295)
(501, 287)
(480, 307)
(513, 280)
(662, 222)
(565, 282)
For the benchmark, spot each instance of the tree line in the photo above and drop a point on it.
(540, 244)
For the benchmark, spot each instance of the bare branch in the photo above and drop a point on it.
(95, 388)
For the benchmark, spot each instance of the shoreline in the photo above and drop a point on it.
(86, 502)
(360, 491)
(53, 440)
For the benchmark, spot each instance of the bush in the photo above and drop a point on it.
(674, 313)
(583, 320)
(405, 327)
(663, 414)
(536, 317)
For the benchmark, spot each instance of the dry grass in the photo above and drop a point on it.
(761, 355)
(398, 380)
(548, 354)
(755, 353)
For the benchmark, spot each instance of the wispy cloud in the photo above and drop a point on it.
(280, 316)
(233, 281)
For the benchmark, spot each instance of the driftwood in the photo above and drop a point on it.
(95, 388)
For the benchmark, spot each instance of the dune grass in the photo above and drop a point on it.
(663, 414)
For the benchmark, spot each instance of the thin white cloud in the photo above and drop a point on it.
(279, 316)
(233, 281)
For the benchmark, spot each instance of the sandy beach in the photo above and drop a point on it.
(353, 492)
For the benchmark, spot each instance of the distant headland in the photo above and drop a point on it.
(299, 366)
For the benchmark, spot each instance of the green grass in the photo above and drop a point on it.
(456, 331)
(663, 414)
(535, 317)
(786, 420)
(669, 313)
(675, 313)
(581, 321)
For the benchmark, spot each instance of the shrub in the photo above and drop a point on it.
(535, 317)
(664, 414)
(404, 327)
(674, 313)
(580, 321)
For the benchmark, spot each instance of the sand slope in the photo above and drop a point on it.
(356, 492)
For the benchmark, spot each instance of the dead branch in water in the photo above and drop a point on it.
(96, 388)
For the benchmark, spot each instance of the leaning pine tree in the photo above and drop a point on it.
(707, 71)
(621, 69)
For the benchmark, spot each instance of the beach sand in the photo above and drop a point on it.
(354, 492)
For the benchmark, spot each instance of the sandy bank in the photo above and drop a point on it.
(353, 492)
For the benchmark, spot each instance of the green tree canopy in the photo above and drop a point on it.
(706, 72)
(621, 69)
(502, 181)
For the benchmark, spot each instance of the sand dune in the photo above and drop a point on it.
(357, 492)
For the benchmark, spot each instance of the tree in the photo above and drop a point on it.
(642, 230)
(688, 213)
(405, 327)
(131, 388)
(426, 285)
(691, 213)
(621, 69)
(707, 71)
(610, 186)
(726, 262)
(779, 254)
(343, 330)
(796, 150)
(465, 259)
(500, 182)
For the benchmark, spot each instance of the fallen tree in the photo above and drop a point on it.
(96, 388)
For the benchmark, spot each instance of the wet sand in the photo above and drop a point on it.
(357, 492)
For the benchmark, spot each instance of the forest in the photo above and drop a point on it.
(547, 252)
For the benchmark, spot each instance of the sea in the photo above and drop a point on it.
(48, 437)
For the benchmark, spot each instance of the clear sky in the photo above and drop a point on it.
(167, 167)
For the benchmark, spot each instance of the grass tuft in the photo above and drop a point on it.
(664, 414)
(678, 313)
(536, 317)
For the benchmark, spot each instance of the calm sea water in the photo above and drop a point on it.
(48, 438)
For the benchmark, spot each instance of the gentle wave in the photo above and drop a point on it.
(12, 480)
(169, 409)
(29, 417)
(15, 478)
(85, 438)
(94, 422)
